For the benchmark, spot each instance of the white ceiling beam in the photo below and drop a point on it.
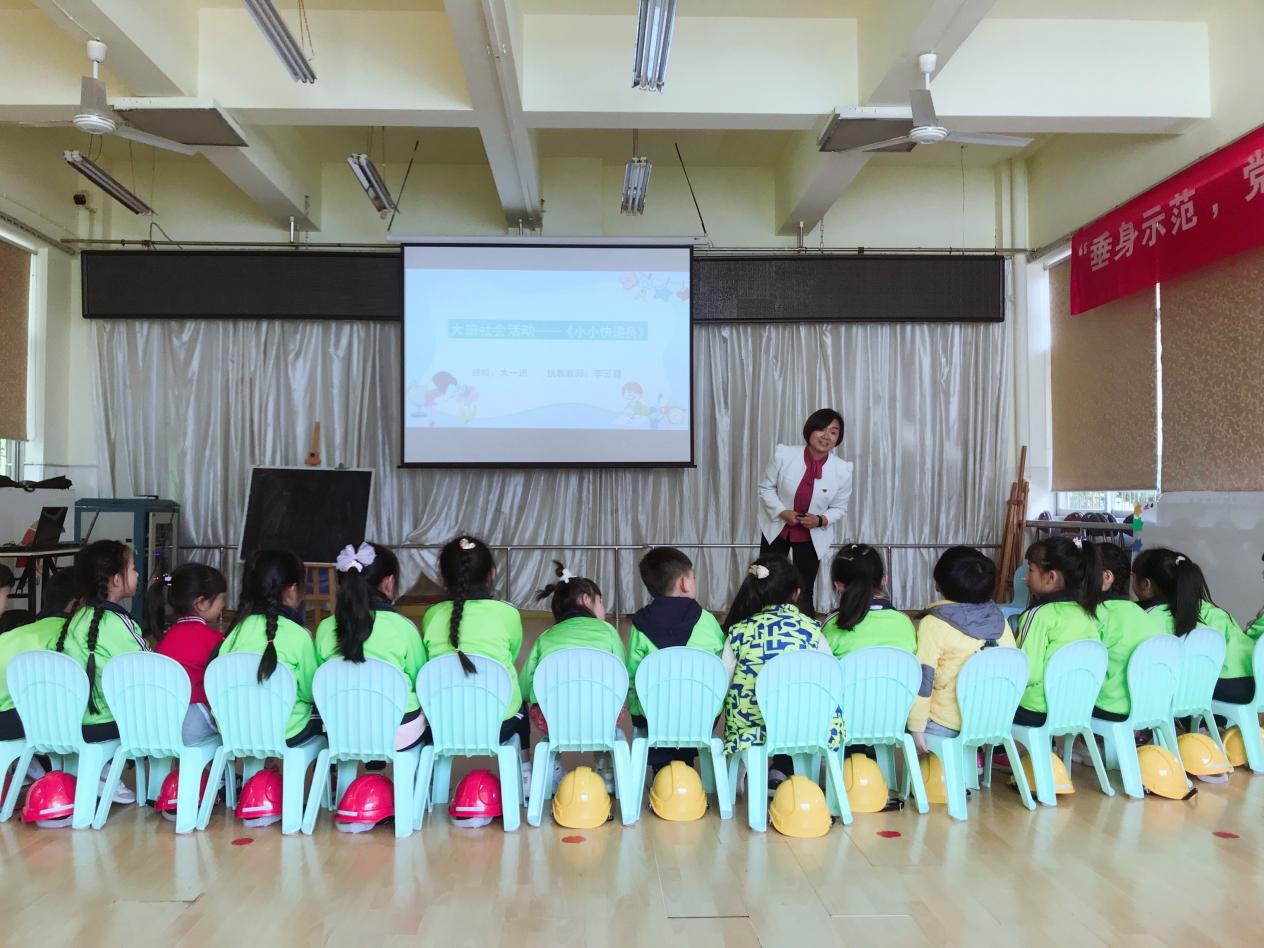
(809, 183)
(274, 174)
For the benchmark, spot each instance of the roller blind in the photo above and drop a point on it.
(15, 307)
(1103, 387)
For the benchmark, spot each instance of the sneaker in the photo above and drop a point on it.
(34, 772)
(605, 770)
(558, 774)
(775, 779)
(526, 781)
(121, 793)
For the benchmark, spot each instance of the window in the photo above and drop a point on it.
(1120, 503)
(11, 458)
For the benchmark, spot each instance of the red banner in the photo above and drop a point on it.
(1209, 211)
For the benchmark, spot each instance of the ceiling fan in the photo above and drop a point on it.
(97, 118)
(926, 129)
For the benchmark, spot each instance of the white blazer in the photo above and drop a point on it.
(830, 494)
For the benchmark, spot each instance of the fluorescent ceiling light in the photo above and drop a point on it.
(274, 30)
(367, 174)
(636, 181)
(103, 180)
(654, 24)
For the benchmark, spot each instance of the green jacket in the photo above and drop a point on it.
(1256, 628)
(33, 637)
(705, 634)
(1238, 647)
(1042, 630)
(489, 627)
(883, 625)
(294, 650)
(1122, 625)
(117, 634)
(575, 632)
(394, 640)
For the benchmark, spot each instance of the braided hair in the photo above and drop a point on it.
(95, 565)
(358, 589)
(567, 592)
(466, 566)
(264, 580)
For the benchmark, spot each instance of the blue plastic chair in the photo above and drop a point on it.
(1073, 680)
(798, 694)
(1153, 671)
(1202, 657)
(50, 692)
(682, 691)
(1022, 595)
(361, 704)
(465, 714)
(149, 697)
(252, 718)
(879, 687)
(1247, 716)
(581, 692)
(10, 754)
(989, 687)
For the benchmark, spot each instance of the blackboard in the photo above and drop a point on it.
(312, 511)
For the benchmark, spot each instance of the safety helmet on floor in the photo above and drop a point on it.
(1061, 779)
(798, 809)
(1162, 773)
(1235, 749)
(676, 793)
(477, 800)
(170, 792)
(866, 787)
(369, 800)
(1201, 756)
(50, 803)
(581, 801)
(260, 800)
(933, 776)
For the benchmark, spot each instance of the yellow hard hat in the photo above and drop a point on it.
(798, 809)
(866, 787)
(1162, 773)
(1201, 756)
(581, 801)
(933, 776)
(676, 793)
(1235, 750)
(1061, 779)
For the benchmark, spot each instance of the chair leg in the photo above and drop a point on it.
(723, 793)
(440, 789)
(970, 763)
(834, 778)
(913, 774)
(293, 778)
(1209, 722)
(1040, 753)
(402, 780)
(189, 782)
(312, 810)
(757, 787)
(1124, 746)
(734, 772)
(107, 792)
(1103, 779)
(1247, 719)
(541, 775)
(886, 763)
(629, 798)
(159, 768)
(510, 786)
(219, 771)
(421, 786)
(803, 766)
(706, 770)
(638, 765)
(91, 761)
(15, 786)
(1020, 778)
(953, 756)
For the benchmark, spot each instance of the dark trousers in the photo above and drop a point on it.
(1235, 690)
(1108, 715)
(1024, 717)
(96, 733)
(310, 730)
(519, 724)
(660, 757)
(11, 726)
(805, 560)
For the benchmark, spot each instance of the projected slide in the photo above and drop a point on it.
(546, 355)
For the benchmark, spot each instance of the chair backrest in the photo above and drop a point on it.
(681, 690)
(989, 688)
(798, 694)
(50, 692)
(251, 716)
(1073, 679)
(1257, 667)
(1022, 595)
(465, 711)
(148, 695)
(1202, 657)
(581, 691)
(879, 687)
(1153, 671)
(360, 705)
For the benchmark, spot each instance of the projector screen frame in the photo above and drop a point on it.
(684, 243)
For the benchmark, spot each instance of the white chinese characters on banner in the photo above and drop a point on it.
(1253, 174)
(1183, 215)
(1099, 251)
(1152, 226)
(1127, 240)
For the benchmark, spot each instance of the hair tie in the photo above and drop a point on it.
(166, 579)
(1079, 542)
(353, 559)
(758, 570)
(466, 543)
(1179, 559)
(566, 576)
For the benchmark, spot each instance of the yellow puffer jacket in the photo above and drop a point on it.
(949, 635)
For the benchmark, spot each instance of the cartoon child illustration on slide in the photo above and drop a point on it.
(447, 392)
(635, 412)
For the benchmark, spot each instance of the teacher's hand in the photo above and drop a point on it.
(811, 521)
(790, 517)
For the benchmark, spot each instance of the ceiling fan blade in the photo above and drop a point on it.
(92, 96)
(41, 124)
(923, 109)
(983, 138)
(144, 138)
(903, 143)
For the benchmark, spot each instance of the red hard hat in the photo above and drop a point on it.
(260, 801)
(51, 800)
(166, 804)
(369, 800)
(477, 799)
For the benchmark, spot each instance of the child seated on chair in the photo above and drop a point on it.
(864, 617)
(954, 629)
(673, 618)
(58, 601)
(1122, 625)
(182, 612)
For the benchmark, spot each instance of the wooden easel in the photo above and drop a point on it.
(318, 604)
(1011, 551)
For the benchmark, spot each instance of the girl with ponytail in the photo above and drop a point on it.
(1065, 580)
(1172, 588)
(864, 616)
(182, 612)
(366, 625)
(269, 623)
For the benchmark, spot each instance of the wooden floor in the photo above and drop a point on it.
(1093, 871)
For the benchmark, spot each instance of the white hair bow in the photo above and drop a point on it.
(758, 570)
(353, 559)
(566, 576)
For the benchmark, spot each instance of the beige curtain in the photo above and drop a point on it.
(15, 309)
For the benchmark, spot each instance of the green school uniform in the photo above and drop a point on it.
(1042, 630)
(1256, 628)
(117, 634)
(489, 627)
(704, 634)
(1238, 648)
(394, 640)
(1122, 625)
(580, 631)
(33, 637)
(882, 625)
(295, 651)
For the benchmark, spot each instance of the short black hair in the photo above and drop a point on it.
(58, 594)
(821, 419)
(964, 574)
(661, 567)
(7, 579)
(1116, 559)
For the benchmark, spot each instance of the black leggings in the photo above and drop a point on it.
(660, 757)
(1025, 717)
(519, 724)
(11, 726)
(1235, 690)
(96, 733)
(1108, 715)
(310, 730)
(805, 560)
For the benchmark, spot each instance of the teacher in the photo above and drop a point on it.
(805, 492)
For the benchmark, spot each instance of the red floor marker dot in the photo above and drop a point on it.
(1221, 834)
(243, 841)
(888, 834)
(574, 839)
